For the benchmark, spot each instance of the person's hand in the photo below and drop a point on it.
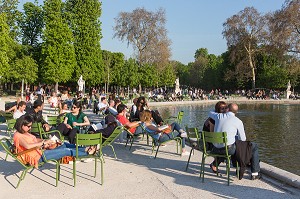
(47, 127)
(68, 126)
(75, 124)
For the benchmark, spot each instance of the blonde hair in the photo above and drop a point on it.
(145, 116)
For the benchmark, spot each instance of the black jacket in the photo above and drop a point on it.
(243, 155)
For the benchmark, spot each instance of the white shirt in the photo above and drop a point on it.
(229, 123)
(18, 114)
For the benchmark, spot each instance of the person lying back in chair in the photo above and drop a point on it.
(161, 135)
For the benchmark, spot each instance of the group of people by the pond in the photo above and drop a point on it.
(137, 118)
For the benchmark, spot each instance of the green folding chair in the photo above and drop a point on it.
(88, 140)
(177, 119)
(9, 149)
(220, 138)
(10, 127)
(194, 138)
(108, 141)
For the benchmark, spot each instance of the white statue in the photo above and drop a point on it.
(80, 83)
(177, 86)
(288, 90)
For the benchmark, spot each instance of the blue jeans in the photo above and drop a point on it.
(170, 136)
(255, 167)
(222, 151)
(65, 149)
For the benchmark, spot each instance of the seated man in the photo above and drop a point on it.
(234, 127)
(131, 126)
(36, 113)
(102, 105)
(111, 109)
(20, 110)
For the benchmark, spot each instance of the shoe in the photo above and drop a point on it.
(87, 160)
(256, 177)
(211, 166)
(183, 135)
(185, 153)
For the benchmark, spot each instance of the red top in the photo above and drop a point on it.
(123, 120)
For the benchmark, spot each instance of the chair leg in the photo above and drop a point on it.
(131, 142)
(228, 170)
(113, 151)
(95, 170)
(202, 167)
(57, 173)
(187, 165)
(74, 171)
(156, 151)
(102, 173)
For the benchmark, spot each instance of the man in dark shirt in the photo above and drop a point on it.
(36, 113)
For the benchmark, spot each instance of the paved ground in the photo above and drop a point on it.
(135, 174)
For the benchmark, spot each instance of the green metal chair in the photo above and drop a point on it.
(9, 149)
(52, 120)
(194, 137)
(215, 137)
(131, 137)
(37, 130)
(177, 119)
(88, 140)
(158, 144)
(10, 127)
(108, 141)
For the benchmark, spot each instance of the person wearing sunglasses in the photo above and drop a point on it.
(73, 121)
(24, 140)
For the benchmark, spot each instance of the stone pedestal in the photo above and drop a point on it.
(288, 93)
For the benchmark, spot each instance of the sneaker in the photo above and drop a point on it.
(183, 135)
(87, 160)
(186, 153)
(256, 177)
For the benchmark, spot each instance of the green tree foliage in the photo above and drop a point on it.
(58, 50)
(167, 76)
(10, 8)
(132, 69)
(86, 27)
(25, 68)
(31, 24)
(5, 41)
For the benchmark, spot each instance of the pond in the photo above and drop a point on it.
(275, 127)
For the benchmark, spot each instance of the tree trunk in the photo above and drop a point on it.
(56, 87)
(252, 70)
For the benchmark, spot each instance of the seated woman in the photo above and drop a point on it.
(158, 134)
(24, 140)
(111, 123)
(73, 121)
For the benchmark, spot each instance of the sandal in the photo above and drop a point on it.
(91, 150)
(212, 168)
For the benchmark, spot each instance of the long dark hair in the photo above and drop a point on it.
(24, 120)
(78, 105)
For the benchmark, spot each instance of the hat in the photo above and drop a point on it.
(109, 119)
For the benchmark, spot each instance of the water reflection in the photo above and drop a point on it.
(275, 127)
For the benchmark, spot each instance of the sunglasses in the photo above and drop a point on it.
(29, 126)
(74, 107)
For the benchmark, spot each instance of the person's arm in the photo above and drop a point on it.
(132, 124)
(216, 116)
(85, 123)
(153, 128)
(241, 131)
(40, 143)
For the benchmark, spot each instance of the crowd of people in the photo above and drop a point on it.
(137, 118)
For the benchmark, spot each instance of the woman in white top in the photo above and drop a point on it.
(53, 100)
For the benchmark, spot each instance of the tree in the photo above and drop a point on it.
(146, 32)
(5, 41)
(245, 33)
(31, 24)
(86, 27)
(58, 50)
(10, 8)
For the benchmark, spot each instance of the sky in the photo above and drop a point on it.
(191, 24)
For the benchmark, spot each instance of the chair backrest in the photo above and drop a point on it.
(52, 120)
(37, 129)
(87, 140)
(214, 137)
(9, 149)
(7, 115)
(179, 117)
(11, 124)
(118, 130)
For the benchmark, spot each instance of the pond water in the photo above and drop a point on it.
(275, 127)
